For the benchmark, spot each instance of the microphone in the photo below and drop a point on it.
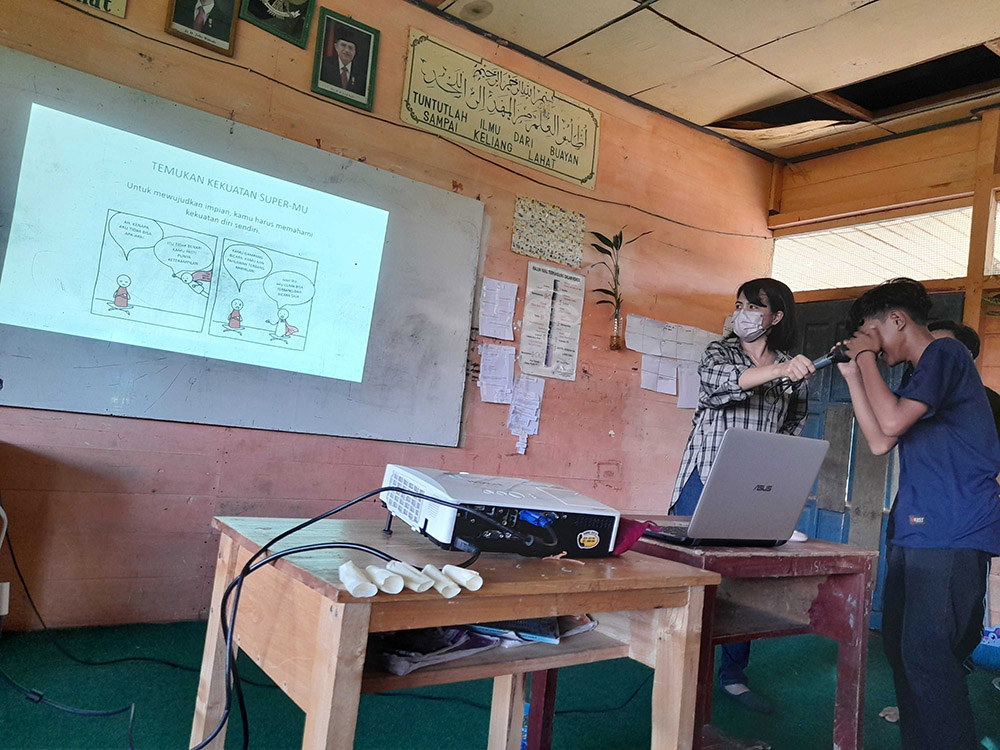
(837, 354)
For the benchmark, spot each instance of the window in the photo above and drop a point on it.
(926, 246)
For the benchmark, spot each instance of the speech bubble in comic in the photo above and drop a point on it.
(131, 232)
(183, 254)
(246, 263)
(289, 288)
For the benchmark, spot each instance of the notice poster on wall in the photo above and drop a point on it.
(155, 246)
(553, 311)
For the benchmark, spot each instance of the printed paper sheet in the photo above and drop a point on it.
(496, 309)
(496, 373)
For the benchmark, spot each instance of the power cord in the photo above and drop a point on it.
(36, 696)
(235, 587)
(88, 662)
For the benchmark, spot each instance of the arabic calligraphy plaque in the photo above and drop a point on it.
(475, 102)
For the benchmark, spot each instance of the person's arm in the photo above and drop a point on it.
(795, 369)
(878, 441)
(895, 415)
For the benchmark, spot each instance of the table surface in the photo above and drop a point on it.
(504, 575)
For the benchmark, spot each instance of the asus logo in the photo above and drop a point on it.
(762, 488)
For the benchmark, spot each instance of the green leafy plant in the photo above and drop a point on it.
(612, 248)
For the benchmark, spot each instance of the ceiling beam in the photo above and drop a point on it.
(845, 106)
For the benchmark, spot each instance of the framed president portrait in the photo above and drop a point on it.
(288, 19)
(346, 59)
(207, 23)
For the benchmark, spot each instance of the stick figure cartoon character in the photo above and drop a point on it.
(121, 300)
(235, 318)
(282, 329)
(196, 286)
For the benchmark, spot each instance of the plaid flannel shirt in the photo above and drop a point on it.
(723, 404)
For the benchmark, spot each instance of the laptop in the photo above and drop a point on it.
(755, 492)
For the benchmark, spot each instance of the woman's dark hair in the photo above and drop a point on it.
(961, 332)
(777, 297)
(895, 294)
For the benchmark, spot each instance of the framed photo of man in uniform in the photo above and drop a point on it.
(207, 23)
(346, 58)
(288, 19)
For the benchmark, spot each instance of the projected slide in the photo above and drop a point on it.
(121, 238)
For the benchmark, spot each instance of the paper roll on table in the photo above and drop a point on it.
(468, 578)
(357, 582)
(386, 580)
(442, 583)
(413, 579)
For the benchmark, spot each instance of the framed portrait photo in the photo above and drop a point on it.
(288, 19)
(207, 23)
(346, 59)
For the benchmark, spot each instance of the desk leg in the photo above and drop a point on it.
(507, 712)
(211, 699)
(675, 676)
(841, 611)
(341, 641)
(706, 667)
(542, 711)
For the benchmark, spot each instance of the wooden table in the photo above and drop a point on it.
(301, 627)
(809, 587)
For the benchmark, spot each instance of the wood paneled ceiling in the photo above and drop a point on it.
(728, 64)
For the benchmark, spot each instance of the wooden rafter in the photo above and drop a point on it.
(847, 107)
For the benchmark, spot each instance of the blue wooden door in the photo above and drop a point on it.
(853, 493)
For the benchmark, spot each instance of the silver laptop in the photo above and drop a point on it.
(755, 492)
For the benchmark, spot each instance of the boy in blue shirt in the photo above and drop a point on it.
(947, 511)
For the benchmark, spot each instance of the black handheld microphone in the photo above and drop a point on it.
(837, 354)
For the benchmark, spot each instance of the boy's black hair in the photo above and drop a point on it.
(895, 294)
(963, 333)
(776, 296)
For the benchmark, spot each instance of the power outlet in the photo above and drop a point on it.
(4, 599)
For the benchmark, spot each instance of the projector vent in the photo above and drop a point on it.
(405, 506)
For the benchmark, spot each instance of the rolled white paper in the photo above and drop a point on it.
(442, 583)
(468, 578)
(387, 581)
(413, 579)
(358, 584)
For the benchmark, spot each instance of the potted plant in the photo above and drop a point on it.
(613, 249)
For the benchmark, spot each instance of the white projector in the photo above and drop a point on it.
(554, 518)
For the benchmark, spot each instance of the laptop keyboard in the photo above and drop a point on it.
(674, 529)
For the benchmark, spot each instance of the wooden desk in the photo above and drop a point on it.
(809, 587)
(301, 627)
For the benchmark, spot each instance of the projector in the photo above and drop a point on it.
(560, 520)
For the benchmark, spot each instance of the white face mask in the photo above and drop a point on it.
(748, 324)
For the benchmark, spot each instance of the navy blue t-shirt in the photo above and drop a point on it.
(949, 459)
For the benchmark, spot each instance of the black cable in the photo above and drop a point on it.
(88, 662)
(232, 672)
(228, 627)
(36, 696)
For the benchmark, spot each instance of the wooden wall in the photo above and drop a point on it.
(110, 516)
(944, 168)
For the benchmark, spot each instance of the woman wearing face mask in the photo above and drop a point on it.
(748, 380)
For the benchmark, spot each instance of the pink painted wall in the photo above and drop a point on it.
(110, 516)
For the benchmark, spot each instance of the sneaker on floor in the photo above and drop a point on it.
(748, 699)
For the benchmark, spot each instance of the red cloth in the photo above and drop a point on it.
(199, 19)
(201, 276)
(629, 532)
(343, 78)
(290, 329)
